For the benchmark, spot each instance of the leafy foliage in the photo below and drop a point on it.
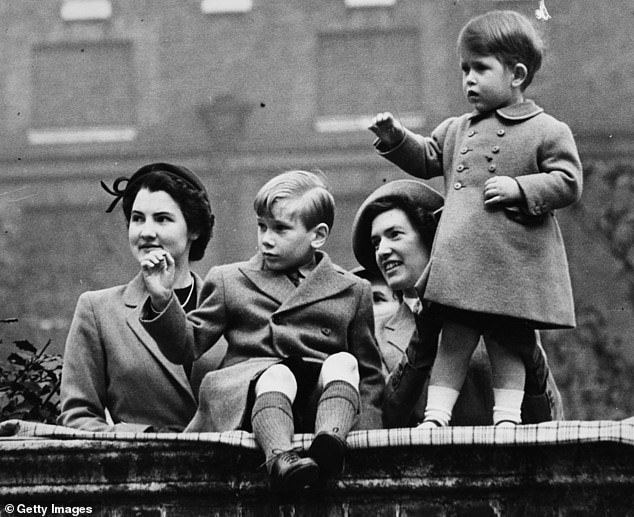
(617, 219)
(29, 383)
(591, 370)
(592, 365)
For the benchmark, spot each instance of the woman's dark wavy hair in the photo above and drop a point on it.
(193, 203)
(422, 220)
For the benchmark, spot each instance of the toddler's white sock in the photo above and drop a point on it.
(440, 403)
(508, 405)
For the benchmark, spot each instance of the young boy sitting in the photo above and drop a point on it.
(301, 353)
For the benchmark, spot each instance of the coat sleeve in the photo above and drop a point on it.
(182, 337)
(364, 347)
(559, 181)
(406, 383)
(418, 155)
(542, 399)
(84, 384)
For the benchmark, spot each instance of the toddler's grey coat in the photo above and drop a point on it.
(501, 261)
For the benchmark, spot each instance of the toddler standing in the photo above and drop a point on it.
(498, 267)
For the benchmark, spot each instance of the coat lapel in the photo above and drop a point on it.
(269, 283)
(324, 282)
(134, 296)
(399, 328)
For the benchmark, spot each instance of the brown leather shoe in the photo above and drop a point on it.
(329, 451)
(290, 472)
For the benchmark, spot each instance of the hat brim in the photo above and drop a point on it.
(412, 191)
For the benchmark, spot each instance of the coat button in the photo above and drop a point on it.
(471, 133)
(325, 331)
(492, 167)
(457, 185)
(500, 132)
(460, 168)
(464, 150)
(495, 148)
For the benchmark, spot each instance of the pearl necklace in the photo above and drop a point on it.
(191, 290)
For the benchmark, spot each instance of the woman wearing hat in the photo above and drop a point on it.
(111, 364)
(393, 233)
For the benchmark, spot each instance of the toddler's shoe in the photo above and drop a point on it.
(506, 423)
(429, 424)
(329, 451)
(290, 472)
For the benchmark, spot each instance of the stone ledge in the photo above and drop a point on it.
(184, 478)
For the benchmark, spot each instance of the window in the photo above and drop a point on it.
(361, 73)
(226, 6)
(92, 100)
(78, 10)
(369, 3)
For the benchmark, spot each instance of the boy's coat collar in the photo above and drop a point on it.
(519, 111)
(324, 281)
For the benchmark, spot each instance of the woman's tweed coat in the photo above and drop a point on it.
(265, 318)
(111, 362)
(500, 261)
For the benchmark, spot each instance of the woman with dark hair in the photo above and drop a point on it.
(114, 377)
(392, 234)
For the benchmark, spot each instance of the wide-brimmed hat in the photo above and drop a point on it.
(415, 192)
(178, 170)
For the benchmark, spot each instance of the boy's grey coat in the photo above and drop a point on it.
(110, 361)
(482, 259)
(264, 318)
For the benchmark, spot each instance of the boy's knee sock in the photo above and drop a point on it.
(508, 405)
(440, 403)
(272, 423)
(337, 408)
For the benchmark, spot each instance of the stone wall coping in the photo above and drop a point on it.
(43, 467)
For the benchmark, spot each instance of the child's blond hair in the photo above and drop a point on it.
(318, 204)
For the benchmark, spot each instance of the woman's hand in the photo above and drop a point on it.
(387, 128)
(501, 189)
(159, 270)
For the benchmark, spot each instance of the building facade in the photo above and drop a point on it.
(240, 90)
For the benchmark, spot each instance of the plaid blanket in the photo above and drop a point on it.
(559, 432)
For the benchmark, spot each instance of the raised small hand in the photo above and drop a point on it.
(387, 128)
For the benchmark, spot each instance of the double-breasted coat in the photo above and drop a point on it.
(265, 318)
(510, 260)
(111, 362)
